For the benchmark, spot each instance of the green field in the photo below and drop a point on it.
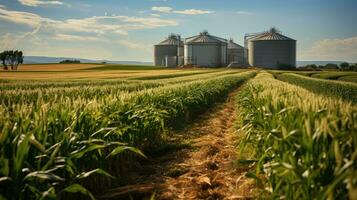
(332, 75)
(75, 131)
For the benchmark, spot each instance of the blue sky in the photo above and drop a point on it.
(128, 29)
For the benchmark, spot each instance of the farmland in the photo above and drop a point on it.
(75, 131)
(331, 75)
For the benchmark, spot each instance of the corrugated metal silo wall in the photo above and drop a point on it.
(270, 53)
(235, 55)
(161, 51)
(170, 61)
(205, 54)
(223, 55)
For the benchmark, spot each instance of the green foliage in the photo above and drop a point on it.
(332, 75)
(344, 90)
(73, 137)
(304, 143)
(331, 66)
(12, 59)
(70, 61)
(344, 66)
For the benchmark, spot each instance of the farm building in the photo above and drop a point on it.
(270, 49)
(235, 53)
(169, 53)
(205, 50)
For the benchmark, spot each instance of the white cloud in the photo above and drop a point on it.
(7, 41)
(35, 3)
(162, 9)
(45, 35)
(27, 18)
(96, 24)
(332, 49)
(241, 12)
(193, 12)
(155, 15)
(13, 41)
(67, 37)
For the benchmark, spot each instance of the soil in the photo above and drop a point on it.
(200, 165)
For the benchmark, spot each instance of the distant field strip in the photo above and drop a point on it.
(73, 144)
(332, 75)
(172, 75)
(49, 92)
(303, 145)
(54, 67)
(43, 84)
(344, 90)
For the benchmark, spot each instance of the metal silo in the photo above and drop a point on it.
(235, 53)
(270, 49)
(205, 50)
(167, 52)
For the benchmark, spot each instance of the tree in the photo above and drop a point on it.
(353, 67)
(12, 59)
(331, 66)
(344, 66)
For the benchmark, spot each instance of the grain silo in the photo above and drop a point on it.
(235, 53)
(169, 52)
(270, 49)
(205, 50)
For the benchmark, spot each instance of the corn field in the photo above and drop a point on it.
(59, 139)
(71, 139)
(344, 90)
(302, 145)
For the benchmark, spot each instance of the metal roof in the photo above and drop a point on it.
(171, 40)
(204, 37)
(233, 45)
(272, 34)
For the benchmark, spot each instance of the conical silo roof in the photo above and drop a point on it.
(232, 45)
(204, 37)
(171, 40)
(272, 34)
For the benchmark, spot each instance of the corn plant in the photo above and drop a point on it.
(344, 90)
(55, 146)
(304, 144)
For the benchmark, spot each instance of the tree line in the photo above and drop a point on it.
(11, 59)
(345, 66)
(69, 61)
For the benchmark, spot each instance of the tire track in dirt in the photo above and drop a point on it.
(207, 170)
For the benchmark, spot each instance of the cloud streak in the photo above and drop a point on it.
(193, 12)
(97, 24)
(26, 18)
(163, 9)
(35, 3)
(68, 37)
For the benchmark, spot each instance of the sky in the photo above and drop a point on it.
(128, 29)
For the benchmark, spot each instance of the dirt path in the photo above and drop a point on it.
(206, 170)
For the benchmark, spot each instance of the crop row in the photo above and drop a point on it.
(57, 94)
(50, 150)
(304, 144)
(133, 76)
(344, 90)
